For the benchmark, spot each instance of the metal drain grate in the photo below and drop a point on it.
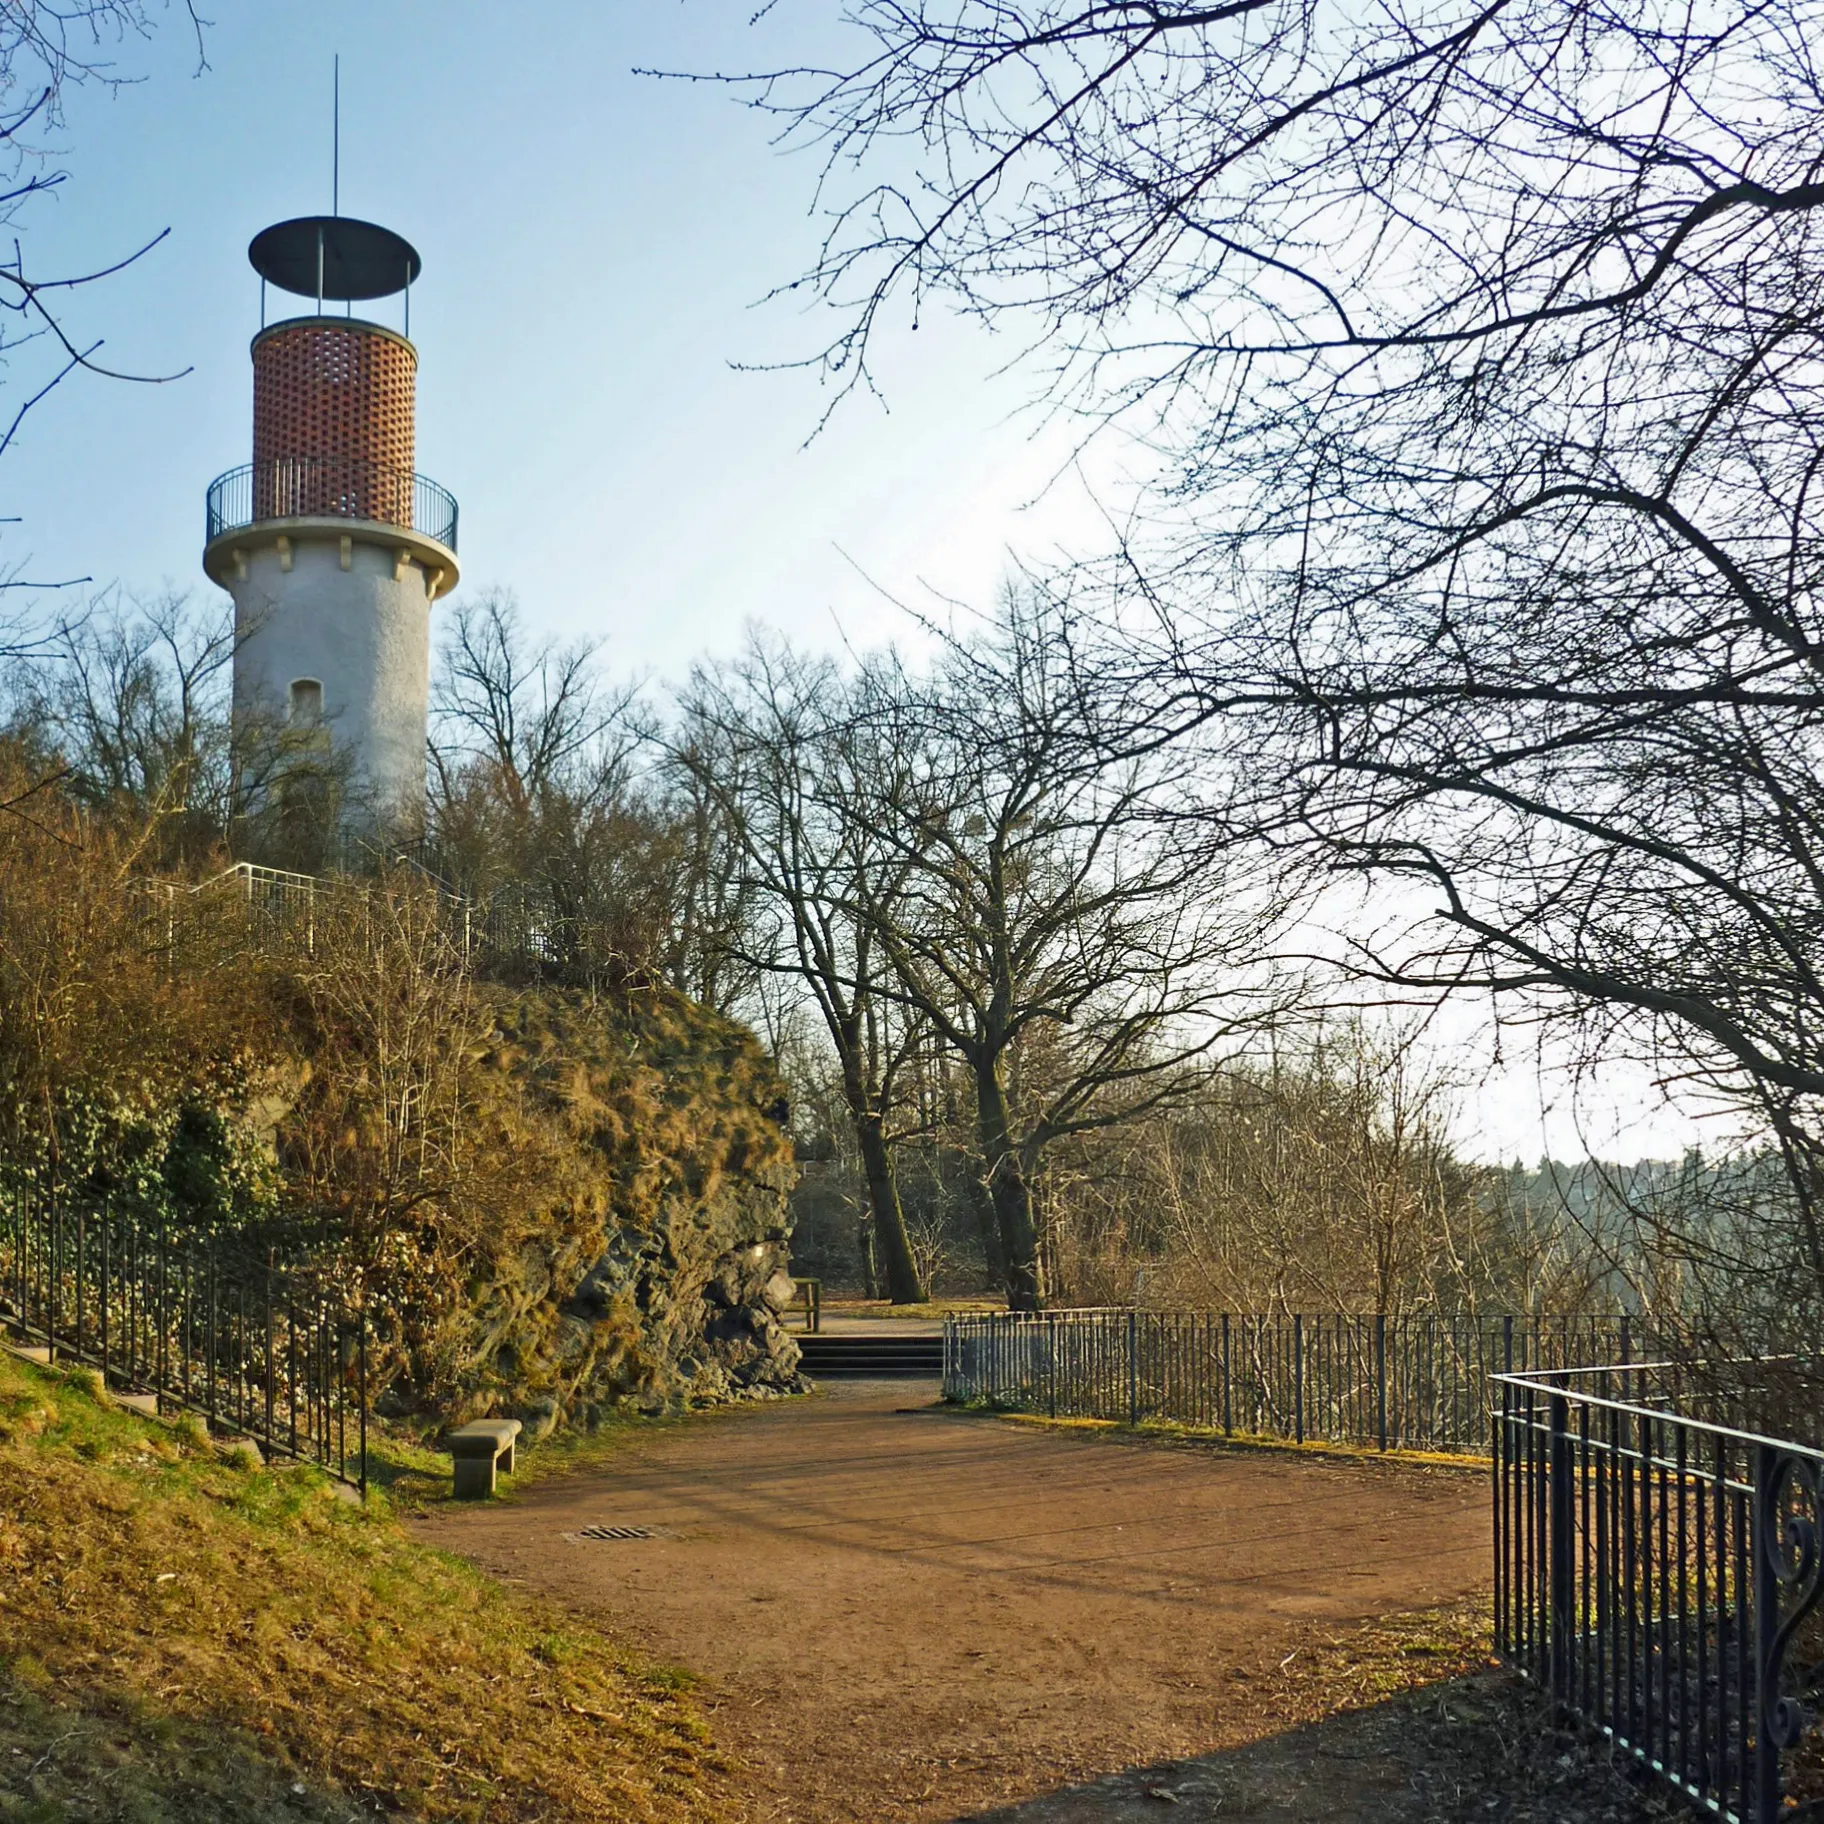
(621, 1532)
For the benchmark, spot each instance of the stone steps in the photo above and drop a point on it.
(145, 1404)
(872, 1357)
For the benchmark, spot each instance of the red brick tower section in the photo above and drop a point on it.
(333, 434)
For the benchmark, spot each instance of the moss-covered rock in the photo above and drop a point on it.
(645, 1261)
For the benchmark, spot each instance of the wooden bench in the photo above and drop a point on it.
(477, 1451)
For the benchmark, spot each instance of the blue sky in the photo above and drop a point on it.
(595, 247)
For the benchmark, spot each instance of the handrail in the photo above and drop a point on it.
(1550, 1382)
(476, 925)
(331, 487)
(807, 1296)
(247, 872)
(1652, 1571)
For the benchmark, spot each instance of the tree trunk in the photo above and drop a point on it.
(892, 1248)
(867, 1254)
(1019, 1236)
(1012, 1196)
(981, 1206)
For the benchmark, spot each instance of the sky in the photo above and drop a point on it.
(596, 248)
(600, 382)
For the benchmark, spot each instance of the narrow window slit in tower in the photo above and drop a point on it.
(306, 703)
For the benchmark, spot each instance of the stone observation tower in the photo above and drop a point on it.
(332, 547)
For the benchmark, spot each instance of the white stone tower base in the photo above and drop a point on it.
(332, 627)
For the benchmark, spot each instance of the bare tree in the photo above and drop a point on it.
(531, 772)
(1046, 917)
(536, 717)
(1324, 1177)
(1481, 346)
(548, 804)
(136, 695)
(710, 951)
(776, 742)
(45, 49)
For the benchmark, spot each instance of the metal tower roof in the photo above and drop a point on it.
(334, 256)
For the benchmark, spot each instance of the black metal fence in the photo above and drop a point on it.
(208, 1324)
(1395, 1383)
(1657, 1574)
(523, 927)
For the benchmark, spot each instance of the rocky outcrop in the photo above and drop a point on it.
(649, 1271)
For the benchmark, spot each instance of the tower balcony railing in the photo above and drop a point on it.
(331, 487)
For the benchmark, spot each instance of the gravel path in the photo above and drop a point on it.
(900, 1612)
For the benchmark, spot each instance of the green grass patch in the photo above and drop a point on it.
(1167, 1431)
(414, 1476)
(182, 1638)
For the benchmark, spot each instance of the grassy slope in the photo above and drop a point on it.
(181, 1638)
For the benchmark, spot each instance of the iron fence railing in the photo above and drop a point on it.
(209, 1323)
(525, 925)
(331, 487)
(296, 906)
(275, 895)
(516, 927)
(1389, 1382)
(1657, 1573)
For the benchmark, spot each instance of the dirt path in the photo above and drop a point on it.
(904, 1613)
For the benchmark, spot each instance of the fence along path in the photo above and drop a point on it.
(1658, 1567)
(1392, 1383)
(294, 903)
(1657, 1572)
(209, 1325)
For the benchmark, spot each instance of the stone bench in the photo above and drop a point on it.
(477, 1451)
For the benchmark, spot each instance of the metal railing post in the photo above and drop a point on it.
(1561, 1545)
(56, 1286)
(1228, 1406)
(136, 1301)
(209, 1341)
(107, 1223)
(1380, 1377)
(1768, 1647)
(1498, 1532)
(1298, 1378)
(271, 1384)
(82, 1264)
(361, 1349)
(1133, 1367)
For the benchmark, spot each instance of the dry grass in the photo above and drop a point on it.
(1338, 1670)
(1165, 1431)
(184, 1639)
(933, 1308)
